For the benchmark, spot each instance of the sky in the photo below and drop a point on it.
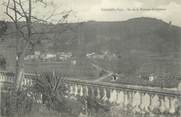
(108, 10)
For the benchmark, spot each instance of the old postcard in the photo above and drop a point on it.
(90, 58)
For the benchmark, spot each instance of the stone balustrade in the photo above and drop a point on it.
(137, 98)
(128, 97)
(6, 77)
(9, 78)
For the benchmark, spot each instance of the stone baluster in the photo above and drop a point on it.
(161, 106)
(31, 82)
(145, 102)
(125, 98)
(26, 82)
(71, 89)
(117, 97)
(110, 96)
(120, 97)
(151, 106)
(113, 96)
(98, 93)
(130, 95)
(171, 105)
(92, 92)
(141, 106)
(136, 101)
(166, 103)
(81, 90)
(156, 103)
(2, 76)
(86, 91)
(105, 98)
(129, 103)
(76, 89)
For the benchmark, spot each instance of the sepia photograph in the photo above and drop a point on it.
(90, 58)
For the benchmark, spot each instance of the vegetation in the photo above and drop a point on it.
(20, 13)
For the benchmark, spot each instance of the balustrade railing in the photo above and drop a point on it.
(137, 98)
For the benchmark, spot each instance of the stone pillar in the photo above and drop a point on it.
(98, 93)
(92, 92)
(105, 98)
(75, 90)
(136, 101)
(81, 90)
(161, 106)
(117, 97)
(166, 103)
(151, 106)
(156, 102)
(113, 96)
(171, 105)
(125, 98)
(120, 98)
(141, 106)
(71, 89)
(78, 90)
(145, 102)
(86, 91)
(130, 98)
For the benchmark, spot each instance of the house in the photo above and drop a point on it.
(50, 56)
(88, 55)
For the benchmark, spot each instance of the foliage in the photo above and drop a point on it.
(55, 93)
(26, 36)
(52, 89)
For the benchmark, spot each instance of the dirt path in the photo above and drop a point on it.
(103, 77)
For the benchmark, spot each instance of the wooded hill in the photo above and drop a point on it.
(140, 44)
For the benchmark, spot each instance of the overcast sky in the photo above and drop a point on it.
(111, 10)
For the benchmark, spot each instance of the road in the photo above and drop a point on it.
(103, 77)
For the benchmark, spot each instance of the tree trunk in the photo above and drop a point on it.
(16, 110)
(19, 71)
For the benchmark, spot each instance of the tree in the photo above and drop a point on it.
(55, 93)
(27, 36)
(20, 13)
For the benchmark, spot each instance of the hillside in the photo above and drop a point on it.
(140, 44)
